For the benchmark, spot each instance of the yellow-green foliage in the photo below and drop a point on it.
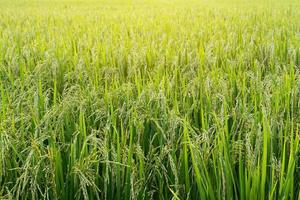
(149, 99)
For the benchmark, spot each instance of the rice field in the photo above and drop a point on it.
(149, 99)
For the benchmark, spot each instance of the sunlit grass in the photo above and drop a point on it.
(149, 100)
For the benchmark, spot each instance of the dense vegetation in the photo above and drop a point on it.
(149, 100)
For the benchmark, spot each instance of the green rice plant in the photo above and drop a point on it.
(148, 99)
